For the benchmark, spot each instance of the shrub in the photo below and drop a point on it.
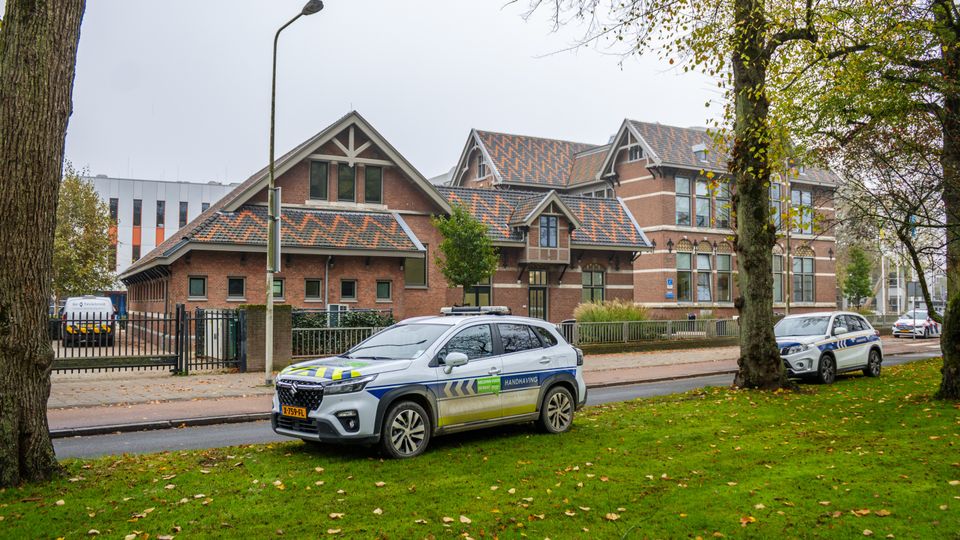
(309, 319)
(610, 311)
(365, 319)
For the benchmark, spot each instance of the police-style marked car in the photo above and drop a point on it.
(428, 376)
(821, 345)
(916, 323)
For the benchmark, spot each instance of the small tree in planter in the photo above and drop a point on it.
(466, 254)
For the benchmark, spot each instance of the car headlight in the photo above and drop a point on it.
(794, 349)
(347, 386)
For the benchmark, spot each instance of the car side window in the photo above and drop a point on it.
(838, 321)
(475, 342)
(865, 325)
(517, 337)
(546, 337)
(854, 324)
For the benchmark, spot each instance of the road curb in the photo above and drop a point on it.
(87, 431)
(661, 379)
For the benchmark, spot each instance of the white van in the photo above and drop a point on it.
(88, 319)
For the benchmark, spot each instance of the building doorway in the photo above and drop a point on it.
(537, 298)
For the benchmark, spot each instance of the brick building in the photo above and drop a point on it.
(674, 181)
(356, 233)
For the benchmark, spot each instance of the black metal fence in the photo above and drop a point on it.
(180, 341)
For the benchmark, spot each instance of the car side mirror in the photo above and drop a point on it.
(840, 330)
(454, 359)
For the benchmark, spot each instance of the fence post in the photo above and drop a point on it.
(177, 343)
(242, 340)
(669, 330)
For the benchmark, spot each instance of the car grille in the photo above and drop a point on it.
(300, 394)
(310, 425)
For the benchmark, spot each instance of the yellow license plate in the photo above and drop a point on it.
(296, 412)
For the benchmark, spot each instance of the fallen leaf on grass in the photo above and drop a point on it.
(421, 522)
(883, 512)
(759, 506)
(333, 531)
(746, 520)
(867, 532)
(61, 502)
(861, 512)
(447, 519)
(335, 515)
(93, 532)
(465, 520)
(610, 516)
(824, 503)
(169, 486)
(378, 511)
(512, 491)
(954, 482)
(570, 513)
(380, 484)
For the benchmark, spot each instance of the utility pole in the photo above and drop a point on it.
(273, 202)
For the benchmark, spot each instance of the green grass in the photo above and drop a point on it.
(714, 462)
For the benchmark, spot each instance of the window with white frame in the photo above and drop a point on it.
(803, 278)
(634, 153)
(684, 277)
(703, 203)
(481, 166)
(724, 278)
(802, 202)
(704, 277)
(723, 205)
(776, 204)
(592, 279)
(683, 201)
(777, 277)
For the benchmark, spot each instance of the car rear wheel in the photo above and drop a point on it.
(874, 361)
(556, 411)
(406, 431)
(827, 371)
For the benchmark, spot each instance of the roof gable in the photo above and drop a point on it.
(520, 159)
(259, 180)
(529, 209)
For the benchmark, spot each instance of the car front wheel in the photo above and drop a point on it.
(556, 411)
(873, 364)
(827, 372)
(406, 431)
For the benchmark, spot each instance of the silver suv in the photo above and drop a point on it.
(430, 376)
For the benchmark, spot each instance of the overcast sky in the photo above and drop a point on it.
(180, 89)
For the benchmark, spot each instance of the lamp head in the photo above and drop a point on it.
(312, 7)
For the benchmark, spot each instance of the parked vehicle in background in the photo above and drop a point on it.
(88, 319)
(428, 376)
(821, 345)
(916, 323)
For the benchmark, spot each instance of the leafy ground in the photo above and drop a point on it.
(872, 457)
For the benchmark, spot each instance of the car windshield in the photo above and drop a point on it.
(400, 342)
(802, 326)
(915, 314)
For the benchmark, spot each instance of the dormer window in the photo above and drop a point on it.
(635, 153)
(481, 166)
(700, 151)
(548, 231)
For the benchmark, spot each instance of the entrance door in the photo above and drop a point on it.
(537, 300)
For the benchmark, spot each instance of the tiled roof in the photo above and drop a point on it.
(604, 222)
(586, 165)
(531, 160)
(524, 207)
(307, 228)
(674, 146)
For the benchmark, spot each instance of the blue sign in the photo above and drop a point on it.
(669, 295)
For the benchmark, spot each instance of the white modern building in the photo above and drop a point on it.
(148, 211)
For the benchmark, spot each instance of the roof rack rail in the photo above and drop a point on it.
(475, 310)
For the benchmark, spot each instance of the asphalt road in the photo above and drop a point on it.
(259, 432)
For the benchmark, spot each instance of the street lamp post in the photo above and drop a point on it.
(273, 246)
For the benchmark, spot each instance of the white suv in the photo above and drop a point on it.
(429, 376)
(820, 345)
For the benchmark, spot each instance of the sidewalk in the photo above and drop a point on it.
(94, 403)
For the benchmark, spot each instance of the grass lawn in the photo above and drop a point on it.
(861, 457)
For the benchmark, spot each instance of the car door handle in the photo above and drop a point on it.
(494, 370)
(545, 359)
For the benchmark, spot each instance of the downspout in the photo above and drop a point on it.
(326, 286)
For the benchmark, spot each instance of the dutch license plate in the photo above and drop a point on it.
(296, 412)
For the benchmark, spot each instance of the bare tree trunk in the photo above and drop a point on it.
(38, 50)
(759, 364)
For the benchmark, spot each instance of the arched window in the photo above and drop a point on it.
(704, 272)
(724, 272)
(684, 271)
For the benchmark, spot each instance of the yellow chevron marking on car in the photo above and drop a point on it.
(339, 374)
